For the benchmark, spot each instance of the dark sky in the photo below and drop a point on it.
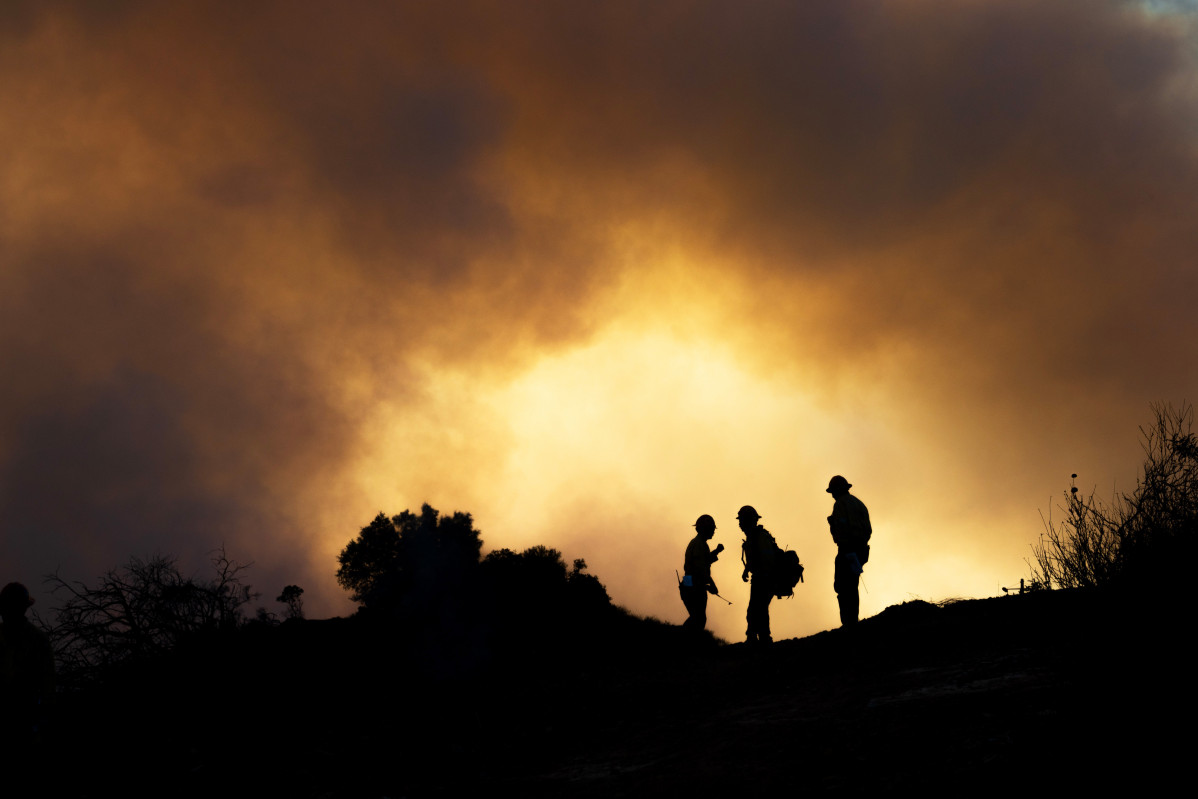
(586, 270)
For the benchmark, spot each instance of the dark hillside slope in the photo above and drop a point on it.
(1053, 691)
(1063, 690)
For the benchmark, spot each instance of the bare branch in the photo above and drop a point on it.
(140, 609)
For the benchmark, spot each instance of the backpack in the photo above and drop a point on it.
(788, 574)
(783, 566)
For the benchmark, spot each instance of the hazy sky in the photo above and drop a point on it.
(587, 271)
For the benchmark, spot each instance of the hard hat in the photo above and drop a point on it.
(748, 512)
(838, 483)
(705, 521)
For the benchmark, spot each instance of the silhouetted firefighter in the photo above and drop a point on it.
(851, 530)
(26, 671)
(696, 582)
(758, 554)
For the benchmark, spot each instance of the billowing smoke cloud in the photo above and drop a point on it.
(270, 269)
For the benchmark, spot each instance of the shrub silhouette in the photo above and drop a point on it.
(586, 591)
(532, 598)
(1136, 536)
(538, 577)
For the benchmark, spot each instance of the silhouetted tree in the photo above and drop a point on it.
(410, 559)
(142, 608)
(293, 598)
(370, 564)
(1137, 536)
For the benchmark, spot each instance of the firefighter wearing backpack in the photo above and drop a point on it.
(851, 530)
(758, 553)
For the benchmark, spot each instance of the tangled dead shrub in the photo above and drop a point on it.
(1137, 536)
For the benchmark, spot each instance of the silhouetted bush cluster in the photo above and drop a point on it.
(423, 571)
(1137, 537)
(531, 594)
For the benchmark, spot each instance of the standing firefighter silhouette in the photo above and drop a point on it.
(775, 573)
(851, 531)
(696, 581)
(26, 674)
(757, 555)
